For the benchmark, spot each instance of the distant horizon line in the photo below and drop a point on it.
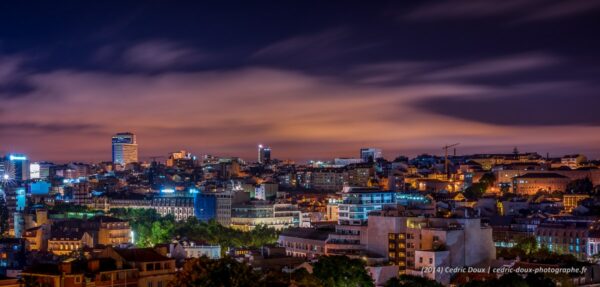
(147, 159)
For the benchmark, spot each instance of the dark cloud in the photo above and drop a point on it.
(472, 70)
(44, 128)
(560, 9)
(549, 105)
(495, 66)
(519, 11)
(466, 9)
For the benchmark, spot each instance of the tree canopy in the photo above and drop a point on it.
(225, 272)
(150, 228)
(528, 250)
(580, 186)
(411, 281)
(477, 189)
(513, 279)
(341, 271)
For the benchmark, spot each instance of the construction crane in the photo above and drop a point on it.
(445, 148)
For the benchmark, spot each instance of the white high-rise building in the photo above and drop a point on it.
(124, 148)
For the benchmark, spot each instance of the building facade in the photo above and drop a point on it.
(124, 148)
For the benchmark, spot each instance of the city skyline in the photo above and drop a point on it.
(356, 154)
(311, 83)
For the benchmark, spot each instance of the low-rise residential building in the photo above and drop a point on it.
(573, 161)
(111, 230)
(66, 242)
(305, 242)
(154, 269)
(78, 273)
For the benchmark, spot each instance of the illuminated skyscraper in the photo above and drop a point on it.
(124, 148)
(14, 167)
(264, 154)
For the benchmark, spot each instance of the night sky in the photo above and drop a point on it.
(312, 79)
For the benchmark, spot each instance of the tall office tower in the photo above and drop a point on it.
(124, 148)
(14, 168)
(370, 154)
(264, 154)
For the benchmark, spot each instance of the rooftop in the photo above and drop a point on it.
(541, 175)
(307, 233)
(141, 255)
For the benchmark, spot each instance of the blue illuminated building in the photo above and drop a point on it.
(39, 188)
(21, 199)
(358, 202)
(411, 198)
(205, 206)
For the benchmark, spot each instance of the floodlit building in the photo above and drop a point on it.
(573, 161)
(65, 242)
(305, 242)
(531, 183)
(124, 148)
(571, 201)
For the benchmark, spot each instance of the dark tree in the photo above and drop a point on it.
(488, 179)
(226, 272)
(580, 186)
(476, 190)
(341, 271)
(539, 280)
(411, 281)
(508, 280)
(302, 278)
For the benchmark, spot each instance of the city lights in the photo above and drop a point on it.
(300, 143)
